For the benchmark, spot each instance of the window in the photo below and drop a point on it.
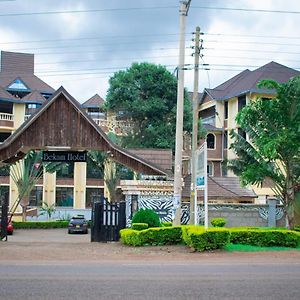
(210, 139)
(225, 141)
(6, 107)
(209, 168)
(36, 196)
(226, 110)
(241, 102)
(242, 133)
(93, 194)
(4, 136)
(64, 196)
(66, 171)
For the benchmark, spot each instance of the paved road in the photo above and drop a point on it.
(49, 264)
(149, 281)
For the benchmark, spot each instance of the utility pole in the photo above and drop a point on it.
(184, 7)
(193, 198)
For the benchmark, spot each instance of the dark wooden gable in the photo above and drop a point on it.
(62, 124)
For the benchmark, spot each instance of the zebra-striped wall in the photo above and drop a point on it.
(235, 214)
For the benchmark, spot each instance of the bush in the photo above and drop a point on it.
(200, 239)
(152, 236)
(218, 222)
(139, 226)
(40, 224)
(166, 224)
(264, 238)
(297, 228)
(147, 216)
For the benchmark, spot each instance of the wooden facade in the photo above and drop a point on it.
(62, 124)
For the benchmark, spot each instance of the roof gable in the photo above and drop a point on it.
(61, 123)
(246, 81)
(95, 101)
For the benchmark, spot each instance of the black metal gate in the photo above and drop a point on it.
(107, 220)
(3, 216)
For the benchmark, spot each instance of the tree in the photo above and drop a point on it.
(147, 94)
(273, 149)
(26, 173)
(47, 210)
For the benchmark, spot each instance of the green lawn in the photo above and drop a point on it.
(248, 248)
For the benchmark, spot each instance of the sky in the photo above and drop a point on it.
(80, 44)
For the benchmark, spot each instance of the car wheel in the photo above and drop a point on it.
(69, 231)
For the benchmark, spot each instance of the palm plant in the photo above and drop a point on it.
(25, 174)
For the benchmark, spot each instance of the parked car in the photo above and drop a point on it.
(78, 224)
(9, 228)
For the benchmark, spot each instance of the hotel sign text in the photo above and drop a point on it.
(64, 156)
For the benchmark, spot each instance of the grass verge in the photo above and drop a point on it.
(249, 248)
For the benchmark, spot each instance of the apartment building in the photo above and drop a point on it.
(219, 107)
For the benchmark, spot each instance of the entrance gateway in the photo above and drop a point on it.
(64, 132)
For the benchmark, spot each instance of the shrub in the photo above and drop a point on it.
(139, 226)
(264, 238)
(297, 228)
(152, 236)
(166, 224)
(218, 222)
(147, 216)
(40, 224)
(200, 239)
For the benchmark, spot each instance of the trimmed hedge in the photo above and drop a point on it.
(148, 216)
(218, 222)
(264, 238)
(200, 239)
(167, 224)
(152, 236)
(40, 224)
(139, 226)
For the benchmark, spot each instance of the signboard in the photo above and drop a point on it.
(200, 168)
(64, 156)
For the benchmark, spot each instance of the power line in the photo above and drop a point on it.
(250, 42)
(90, 38)
(146, 8)
(84, 11)
(248, 10)
(253, 35)
(251, 50)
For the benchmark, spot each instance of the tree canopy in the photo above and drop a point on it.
(147, 94)
(273, 149)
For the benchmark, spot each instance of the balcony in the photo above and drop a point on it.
(6, 120)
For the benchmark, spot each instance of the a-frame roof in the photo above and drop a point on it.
(95, 101)
(246, 81)
(62, 124)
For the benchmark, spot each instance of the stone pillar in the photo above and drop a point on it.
(272, 212)
(49, 188)
(79, 184)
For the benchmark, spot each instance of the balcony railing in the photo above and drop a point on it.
(6, 117)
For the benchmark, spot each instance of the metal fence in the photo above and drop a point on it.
(107, 220)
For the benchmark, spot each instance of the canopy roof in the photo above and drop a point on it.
(61, 124)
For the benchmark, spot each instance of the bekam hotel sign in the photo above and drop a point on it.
(64, 156)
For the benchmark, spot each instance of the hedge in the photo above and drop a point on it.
(40, 224)
(139, 226)
(264, 238)
(200, 239)
(152, 236)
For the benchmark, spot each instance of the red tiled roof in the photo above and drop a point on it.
(95, 101)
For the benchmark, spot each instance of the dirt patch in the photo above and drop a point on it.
(56, 245)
